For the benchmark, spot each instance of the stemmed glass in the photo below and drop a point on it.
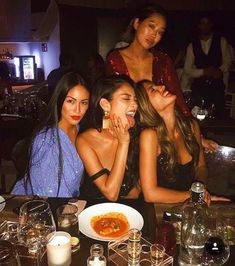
(36, 223)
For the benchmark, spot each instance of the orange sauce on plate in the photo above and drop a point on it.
(112, 224)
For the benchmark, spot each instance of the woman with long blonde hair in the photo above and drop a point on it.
(171, 155)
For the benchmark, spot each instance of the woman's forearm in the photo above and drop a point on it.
(114, 181)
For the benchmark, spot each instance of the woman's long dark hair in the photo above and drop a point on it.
(50, 118)
(149, 118)
(105, 88)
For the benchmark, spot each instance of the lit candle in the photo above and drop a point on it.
(59, 249)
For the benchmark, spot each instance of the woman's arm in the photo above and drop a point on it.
(108, 184)
(201, 169)
(149, 151)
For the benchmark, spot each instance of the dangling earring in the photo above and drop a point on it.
(105, 121)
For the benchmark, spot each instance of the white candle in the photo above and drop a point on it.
(59, 249)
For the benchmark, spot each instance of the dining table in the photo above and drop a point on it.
(151, 213)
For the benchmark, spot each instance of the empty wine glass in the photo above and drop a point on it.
(36, 222)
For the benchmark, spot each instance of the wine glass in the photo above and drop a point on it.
(36, 223)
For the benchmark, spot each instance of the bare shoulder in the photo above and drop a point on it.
(87, 136)
(148, 132)
(148, 135)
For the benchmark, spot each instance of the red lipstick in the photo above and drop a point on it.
(76, 117)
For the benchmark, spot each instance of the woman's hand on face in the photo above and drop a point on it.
(121, 132)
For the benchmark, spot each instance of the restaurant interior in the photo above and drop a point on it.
(33, 35)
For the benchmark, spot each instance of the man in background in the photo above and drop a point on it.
(207, 62)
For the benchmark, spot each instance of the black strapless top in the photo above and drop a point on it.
(183, 175)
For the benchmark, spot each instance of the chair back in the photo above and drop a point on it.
(221, 171)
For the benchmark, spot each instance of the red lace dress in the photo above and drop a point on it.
(163, 73)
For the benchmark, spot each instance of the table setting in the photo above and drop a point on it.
(55, 236)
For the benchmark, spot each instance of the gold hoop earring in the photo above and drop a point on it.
(105, 121)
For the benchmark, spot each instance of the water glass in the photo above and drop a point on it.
(134, 246)
(157, 252)
(134, 252)
(68, 222)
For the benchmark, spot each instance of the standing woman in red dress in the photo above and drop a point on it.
(140, 60)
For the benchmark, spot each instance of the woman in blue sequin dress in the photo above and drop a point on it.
(54, 168)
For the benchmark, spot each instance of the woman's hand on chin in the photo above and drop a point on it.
(120, 132)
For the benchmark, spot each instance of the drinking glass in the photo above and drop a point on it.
(134, 246)
(216, 251)
(157, 252)
(68, 222)
(36, 223)
(201, 114)
(8, 254)
(134, 252)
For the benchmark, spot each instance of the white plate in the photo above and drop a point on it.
(2, 205)
(135, 219)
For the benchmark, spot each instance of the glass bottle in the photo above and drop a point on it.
(165, 234)
(97, 257)
(193, 227)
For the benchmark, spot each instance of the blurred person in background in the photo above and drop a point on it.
(66, 65)
(95, 68)
(208, 61)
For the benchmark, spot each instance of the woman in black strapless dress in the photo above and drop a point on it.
(171, 155)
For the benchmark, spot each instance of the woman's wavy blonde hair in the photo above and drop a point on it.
(149, 118)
